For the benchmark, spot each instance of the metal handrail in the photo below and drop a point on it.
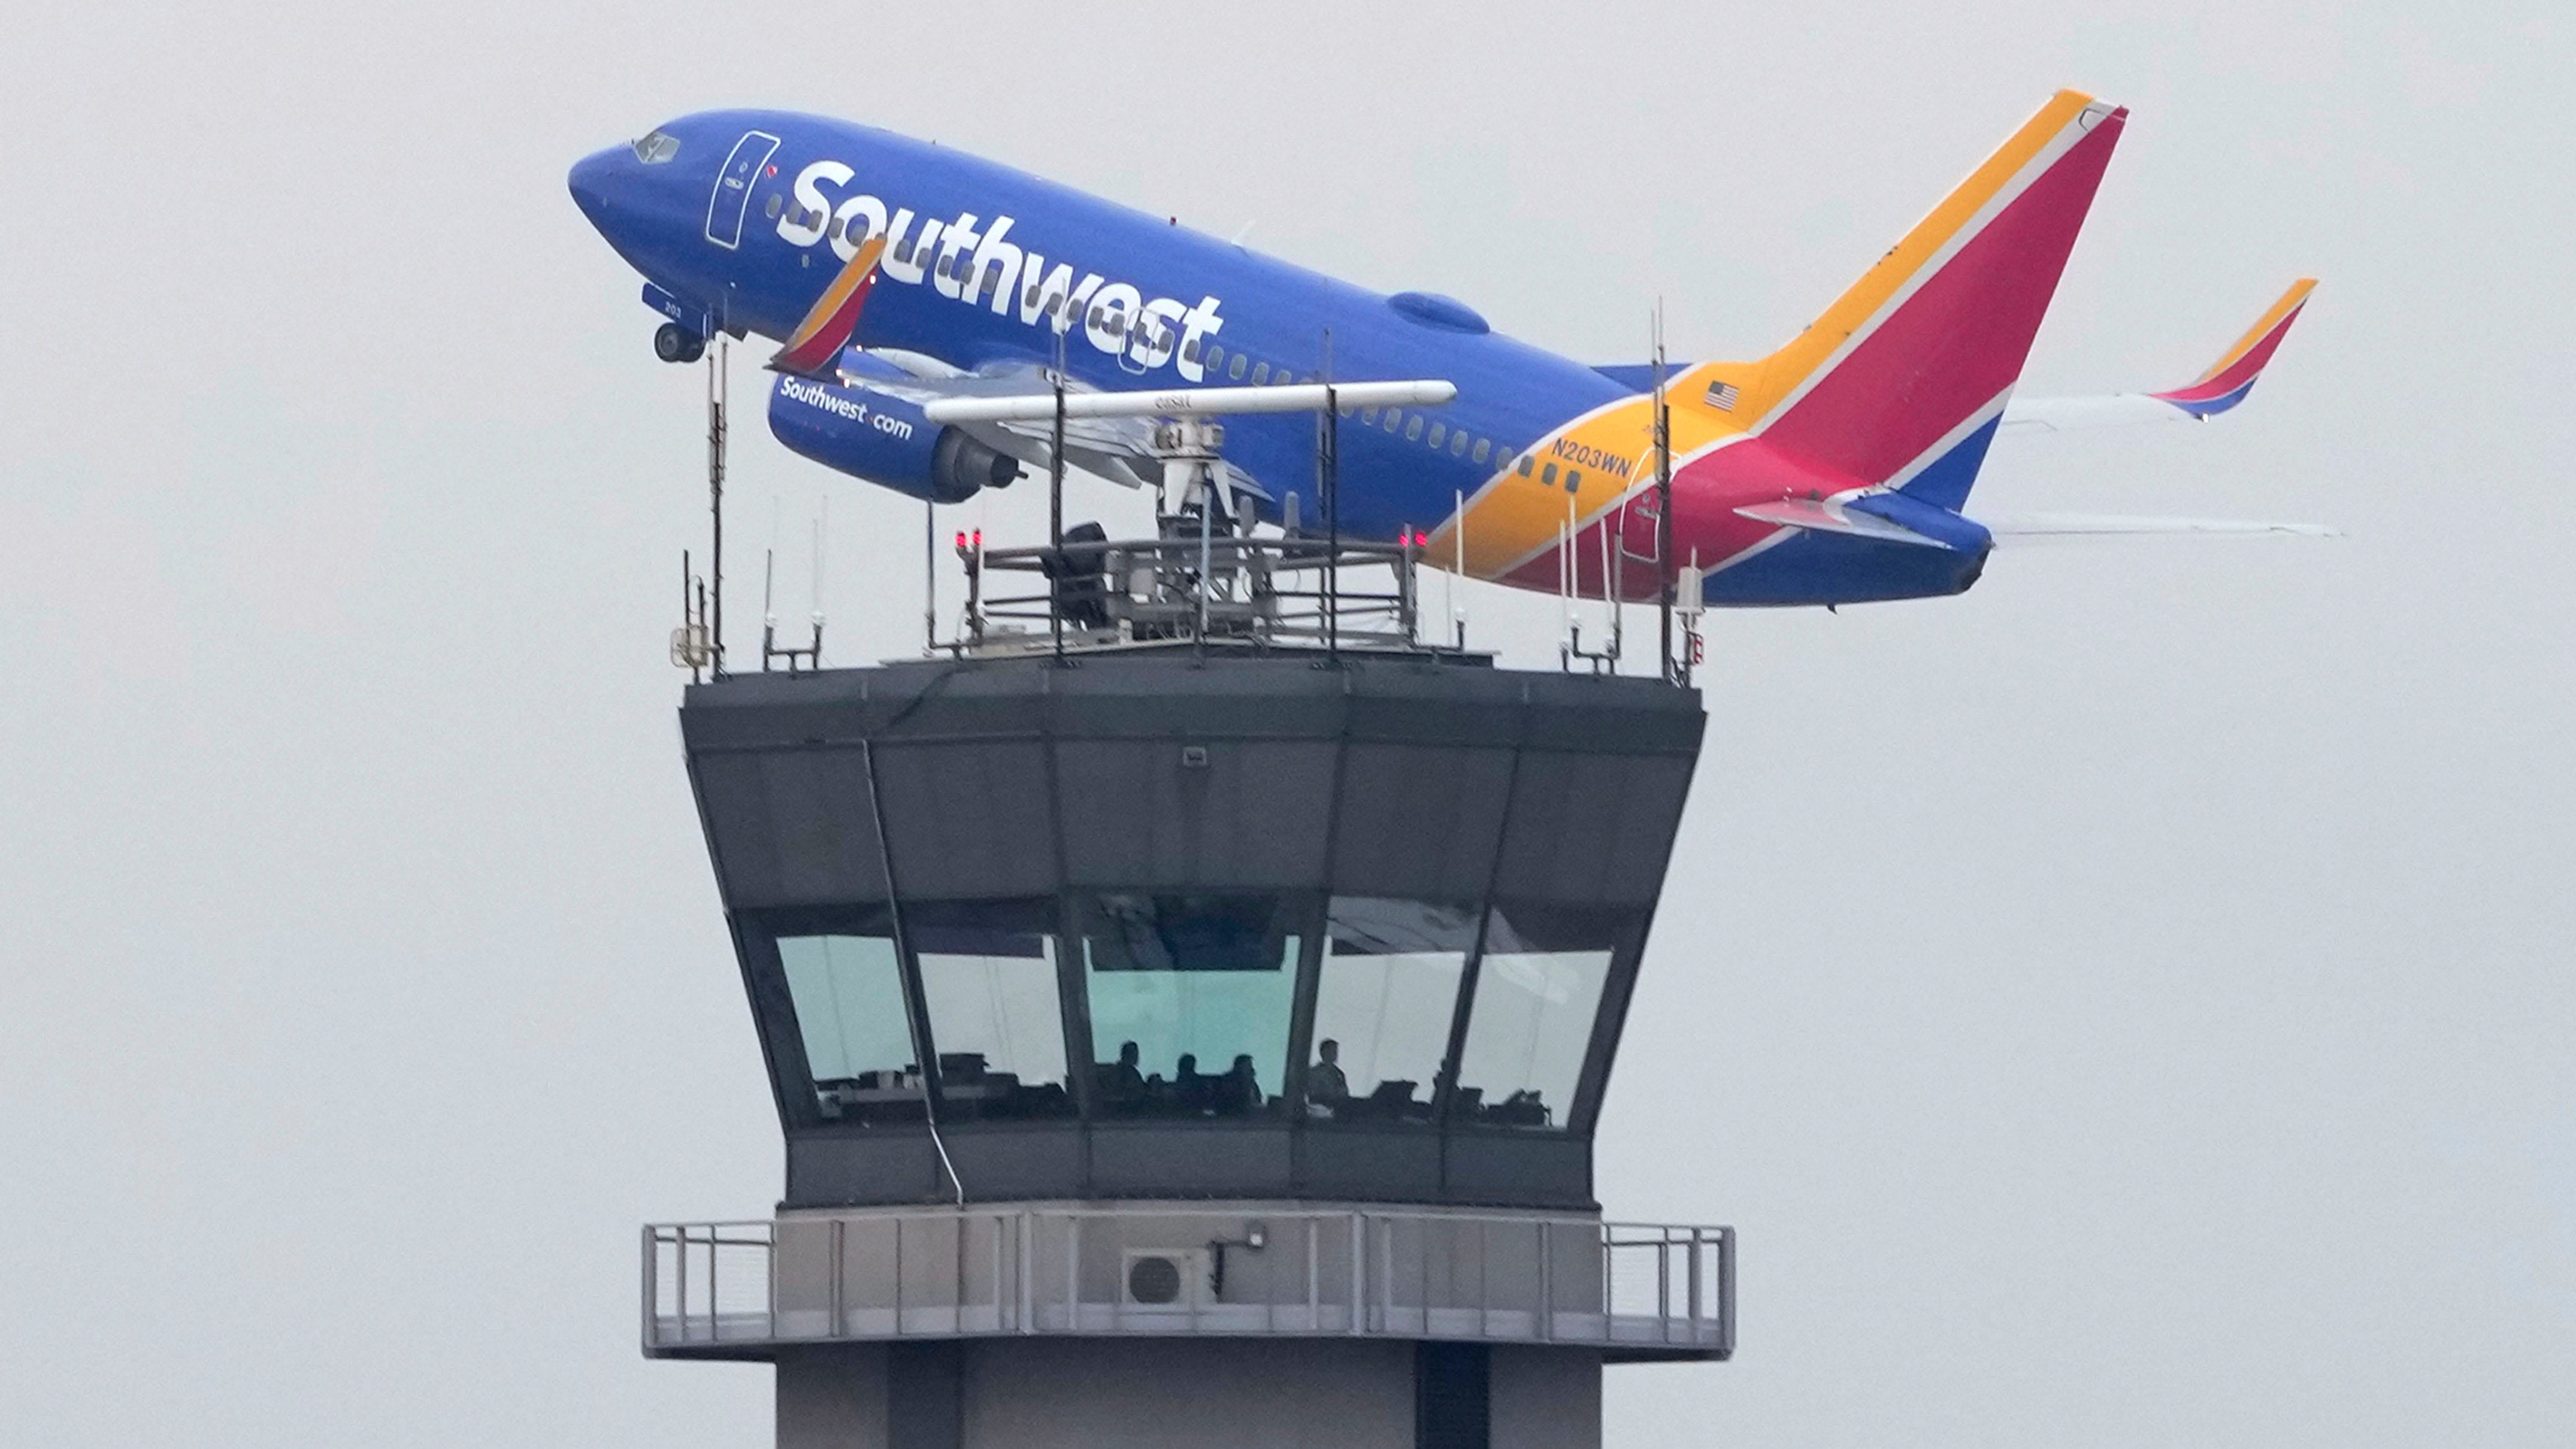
(1409, 1278)
(1224, 590)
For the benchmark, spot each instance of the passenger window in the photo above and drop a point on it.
(1547, 475)
(1190, 350)
(1234, 369)
(1458, 446)
(1526, 461)
(1573, 479)
(776, 204)
(1413, 430)
(1369, 416)
(1394, 416)
(1484, 449)
(1260, 374)
(1439, 434)
(1029, 298)
(1215, 356)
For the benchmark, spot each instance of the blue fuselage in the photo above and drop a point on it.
(746, 216)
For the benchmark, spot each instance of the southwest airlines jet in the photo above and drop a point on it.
(921, 298)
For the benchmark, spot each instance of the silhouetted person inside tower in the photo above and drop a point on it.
(1238, 1092)
(1326, 1086)
(1121, 1085)
(1191, 1092)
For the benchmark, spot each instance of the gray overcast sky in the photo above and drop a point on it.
(2128, 1005)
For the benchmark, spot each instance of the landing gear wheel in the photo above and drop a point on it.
(675, 343)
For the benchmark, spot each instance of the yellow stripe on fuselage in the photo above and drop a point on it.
(1606, 454)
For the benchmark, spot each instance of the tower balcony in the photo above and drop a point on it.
(749, 1290)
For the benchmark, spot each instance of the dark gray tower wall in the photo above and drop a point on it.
(958, 888)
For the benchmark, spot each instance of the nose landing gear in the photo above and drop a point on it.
(675, 343)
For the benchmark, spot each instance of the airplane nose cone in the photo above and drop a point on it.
(592, 180)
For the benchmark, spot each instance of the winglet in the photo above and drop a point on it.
(817, 341)
(2231, 377)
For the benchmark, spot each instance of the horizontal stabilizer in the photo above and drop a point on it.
(1825, 515)
(2041, 527)
(1301, 397)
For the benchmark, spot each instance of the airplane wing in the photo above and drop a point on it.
(2024, 529)
(2223, 386)
(1010, 408)
(1117, 448)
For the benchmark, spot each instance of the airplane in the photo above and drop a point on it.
(922, 296)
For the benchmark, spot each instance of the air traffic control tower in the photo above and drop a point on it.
(1188, 1000)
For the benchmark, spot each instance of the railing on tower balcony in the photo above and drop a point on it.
(1190, 586)
(740, 1289)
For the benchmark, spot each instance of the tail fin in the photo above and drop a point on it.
(1902, 378)
(2232, 376)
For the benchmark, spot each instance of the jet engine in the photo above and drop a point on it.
(885, 440)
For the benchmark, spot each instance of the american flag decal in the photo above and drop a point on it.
(1721, 395)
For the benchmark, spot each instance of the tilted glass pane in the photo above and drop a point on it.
(1538, 990)
(988, 983)
(1383, 1006)
(848, 995)
(1189, 1000)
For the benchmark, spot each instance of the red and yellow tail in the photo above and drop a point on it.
(1899, 383)
(1926, 346)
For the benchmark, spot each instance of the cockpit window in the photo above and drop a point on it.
(657, 148)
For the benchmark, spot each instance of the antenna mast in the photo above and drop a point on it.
(1329, 469)
(718, 388)
(1664, 501)
(1055, 509)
